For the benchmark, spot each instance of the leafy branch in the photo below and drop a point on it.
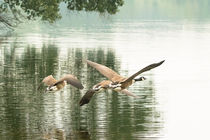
(13, 12)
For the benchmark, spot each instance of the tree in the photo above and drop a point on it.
(13, 12)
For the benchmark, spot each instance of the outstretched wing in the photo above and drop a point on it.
(125, 91)
(107, 72)
(147, 68)
(49, 80)
(72, 80)
(86, 98)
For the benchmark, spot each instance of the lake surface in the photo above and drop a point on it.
(175, 96)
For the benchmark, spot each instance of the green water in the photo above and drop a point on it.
(28, 113)
(174, 103)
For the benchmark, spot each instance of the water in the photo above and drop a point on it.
(174, 103)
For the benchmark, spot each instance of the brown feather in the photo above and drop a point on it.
(72, 80)
(107, 72)
(104, 83)
(49, 80)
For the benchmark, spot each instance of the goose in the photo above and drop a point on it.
(55, 85)
(116, 82)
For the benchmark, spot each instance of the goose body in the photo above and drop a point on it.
(116, 82)
(119, 82)
(55, 85)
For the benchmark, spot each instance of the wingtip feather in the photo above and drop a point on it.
(86, 98)
(161, 62)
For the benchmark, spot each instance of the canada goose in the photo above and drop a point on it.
(115, 82)
(103, 85)
(55, 85)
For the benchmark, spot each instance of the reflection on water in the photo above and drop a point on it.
(27, 114)
(175, 30)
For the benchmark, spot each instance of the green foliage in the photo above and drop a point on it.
(48, 10)
(101, 6)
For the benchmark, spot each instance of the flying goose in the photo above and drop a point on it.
(55, 85)
(115, 82)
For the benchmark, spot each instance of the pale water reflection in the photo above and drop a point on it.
(28, 113)
(175, 96)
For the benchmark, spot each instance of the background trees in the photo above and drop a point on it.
(12, 12)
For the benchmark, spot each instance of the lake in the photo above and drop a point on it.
(174, 101)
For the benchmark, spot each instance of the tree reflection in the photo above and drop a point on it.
(13, 115)
(20, 75)
(134, 118)
(29, 114)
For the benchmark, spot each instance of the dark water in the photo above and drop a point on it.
(30, 114)
(175, 96)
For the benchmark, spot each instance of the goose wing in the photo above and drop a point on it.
(87, 97)
(72, 80)
(49, 80)
(107, 72)
(147, 68)
(89, 94)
